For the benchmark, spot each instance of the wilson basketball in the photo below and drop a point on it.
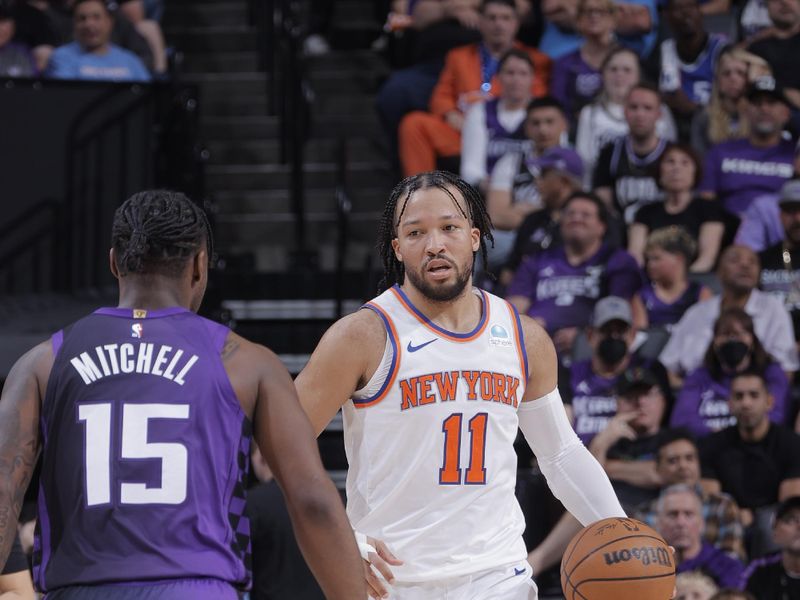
(618, 559)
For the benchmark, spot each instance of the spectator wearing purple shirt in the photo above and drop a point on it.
(680, 521)
(667, 292)
(15, 59)
(738, 171)
(702, 403)
(762, 226)
(687, 61)
(496, 126)
(588, 387)
(560, 286)
(576, 76)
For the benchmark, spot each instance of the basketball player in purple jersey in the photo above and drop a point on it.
(143, 415)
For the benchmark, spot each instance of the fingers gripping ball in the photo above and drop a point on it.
(618, 559)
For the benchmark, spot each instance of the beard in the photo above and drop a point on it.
(444, 292)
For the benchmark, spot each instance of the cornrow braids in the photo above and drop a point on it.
(158, 231)
(477, 215)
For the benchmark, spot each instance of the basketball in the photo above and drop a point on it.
(618, 559)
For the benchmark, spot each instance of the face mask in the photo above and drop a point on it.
(612, 350)
(732, 353)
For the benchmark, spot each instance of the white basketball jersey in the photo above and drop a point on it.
(429, 441)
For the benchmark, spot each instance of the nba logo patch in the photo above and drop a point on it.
(138, 313)
(498, 336)
(137, 330)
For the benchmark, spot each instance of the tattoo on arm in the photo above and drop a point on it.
(19, 446)
(229, 349)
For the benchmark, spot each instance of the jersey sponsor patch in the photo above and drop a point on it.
(498, 336)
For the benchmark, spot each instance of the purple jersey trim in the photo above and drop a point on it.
(149, 314)
(57, 339)
(43, 523)
(442, 330)
(395, 357)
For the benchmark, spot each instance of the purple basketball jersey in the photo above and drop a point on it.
(501, 140)
(145, 454)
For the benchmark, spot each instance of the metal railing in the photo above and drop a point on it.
(28, 258)
(281, 31)
(96, 145)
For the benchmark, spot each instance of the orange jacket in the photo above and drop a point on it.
(459, 83)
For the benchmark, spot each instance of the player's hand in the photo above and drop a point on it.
(380, 561)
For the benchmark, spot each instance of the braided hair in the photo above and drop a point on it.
(393, 269)
(157, 231)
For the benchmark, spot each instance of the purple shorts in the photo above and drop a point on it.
(179, 589)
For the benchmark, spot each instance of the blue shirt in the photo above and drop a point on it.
(556, 42)
(72, 62)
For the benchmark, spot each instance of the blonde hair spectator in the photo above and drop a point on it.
(694, 585)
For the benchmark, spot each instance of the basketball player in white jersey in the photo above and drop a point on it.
(434, 377)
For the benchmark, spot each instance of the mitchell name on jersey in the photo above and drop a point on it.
(145, 358)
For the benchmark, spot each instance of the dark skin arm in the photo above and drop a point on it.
(19, 436)
(287, 441)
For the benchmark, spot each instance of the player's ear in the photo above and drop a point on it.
(475, 234)
(199, 266)
(396, 248)
(112, 263)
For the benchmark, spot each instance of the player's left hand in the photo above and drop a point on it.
(382, 560)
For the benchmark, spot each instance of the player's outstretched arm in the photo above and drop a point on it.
(19, 436)
(287, 441)
(573, 474)
(348, 353)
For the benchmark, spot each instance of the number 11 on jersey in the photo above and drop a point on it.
(450, 473)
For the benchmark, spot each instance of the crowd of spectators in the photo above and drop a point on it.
(91, 40)
(639, 162)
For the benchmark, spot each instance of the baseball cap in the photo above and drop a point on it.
(766, 85)
(788, 505)
(563, 160)
(635, 378)
(790, 193)
(611, 308)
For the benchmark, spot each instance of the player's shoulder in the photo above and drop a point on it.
(362, 329)
(534, 333)
(238, 351)
(35, 364)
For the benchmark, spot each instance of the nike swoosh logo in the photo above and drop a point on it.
(412, 348)
(518, 571)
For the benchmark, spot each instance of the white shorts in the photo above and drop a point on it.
(512, 582)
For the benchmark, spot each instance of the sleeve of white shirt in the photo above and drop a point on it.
(585, 144)
(474, 144)
(503, 173)
(670, 79)
(665, 127)
(779, 337)
(671, 355)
